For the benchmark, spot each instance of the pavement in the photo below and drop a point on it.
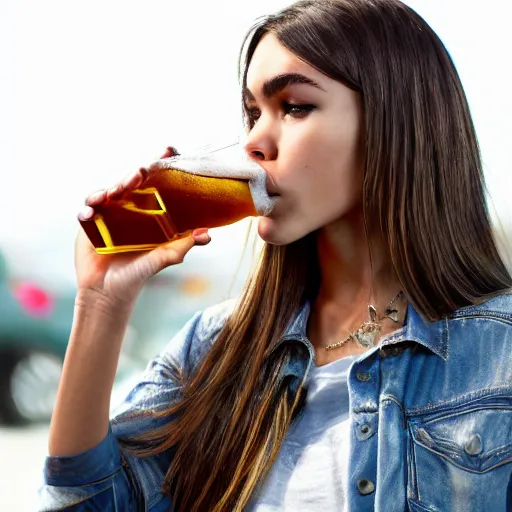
(22, 453)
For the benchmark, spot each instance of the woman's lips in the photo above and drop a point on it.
(272, 190)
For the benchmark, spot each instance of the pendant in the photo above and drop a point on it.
(392, 314)
(393, 310)
(366, 334)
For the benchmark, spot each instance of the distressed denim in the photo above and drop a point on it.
(430, 410)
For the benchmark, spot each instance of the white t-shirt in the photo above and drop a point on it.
(312, 467)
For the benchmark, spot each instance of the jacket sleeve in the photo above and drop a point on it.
(104, 478)
(94, 480)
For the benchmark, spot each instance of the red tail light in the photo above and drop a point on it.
(34, 300)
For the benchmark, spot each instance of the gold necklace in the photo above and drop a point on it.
(366, 334)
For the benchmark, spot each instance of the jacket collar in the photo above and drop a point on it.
(431, 335)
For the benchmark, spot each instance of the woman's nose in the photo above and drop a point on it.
(261, 150)
(261, 142)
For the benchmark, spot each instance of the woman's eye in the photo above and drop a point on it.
(297, 111)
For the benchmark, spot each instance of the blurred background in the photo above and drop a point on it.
(91, 90)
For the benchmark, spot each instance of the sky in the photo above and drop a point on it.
(92, 90)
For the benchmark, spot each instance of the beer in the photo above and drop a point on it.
(178, 196)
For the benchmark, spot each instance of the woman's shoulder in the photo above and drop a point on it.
(191, 343)
(160, 383)
(482, 331)
(498, 305)
(212, 319)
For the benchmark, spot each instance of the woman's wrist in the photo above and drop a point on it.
(97, 301)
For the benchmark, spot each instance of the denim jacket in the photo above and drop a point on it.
(430, 409)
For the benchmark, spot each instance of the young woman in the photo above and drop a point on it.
(367, 364)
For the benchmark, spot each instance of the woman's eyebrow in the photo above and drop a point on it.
(277, 83)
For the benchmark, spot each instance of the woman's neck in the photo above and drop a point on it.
(348, 273)
(350, 280)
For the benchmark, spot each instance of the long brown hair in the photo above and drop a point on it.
(423, 188)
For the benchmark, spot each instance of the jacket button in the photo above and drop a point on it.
(363, 377)
(364, 432)
(474, 446)
(365, 486)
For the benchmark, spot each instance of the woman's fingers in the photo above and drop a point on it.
(174, 252)
(201, 236)
(130, 182)
(86, 214)
(96, 198)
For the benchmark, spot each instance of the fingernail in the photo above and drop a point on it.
(204, 240)
(86, 214)
(199, 233)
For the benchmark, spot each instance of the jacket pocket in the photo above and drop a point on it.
(461, 455)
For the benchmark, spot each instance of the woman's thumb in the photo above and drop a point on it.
(174, 252)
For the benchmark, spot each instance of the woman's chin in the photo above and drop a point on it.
(267, 230)
(270, 232)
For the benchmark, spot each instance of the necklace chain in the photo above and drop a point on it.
(366, 334)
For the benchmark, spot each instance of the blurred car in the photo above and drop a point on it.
(34, 330)
(35, 324)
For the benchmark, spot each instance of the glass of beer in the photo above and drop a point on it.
(180, 194)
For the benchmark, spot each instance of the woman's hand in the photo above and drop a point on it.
(120, 277)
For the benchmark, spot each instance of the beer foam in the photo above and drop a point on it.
(215, 167)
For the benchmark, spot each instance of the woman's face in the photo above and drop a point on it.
(306, 134)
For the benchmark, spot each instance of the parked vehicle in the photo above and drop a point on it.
(34, 331)
(35, 324)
